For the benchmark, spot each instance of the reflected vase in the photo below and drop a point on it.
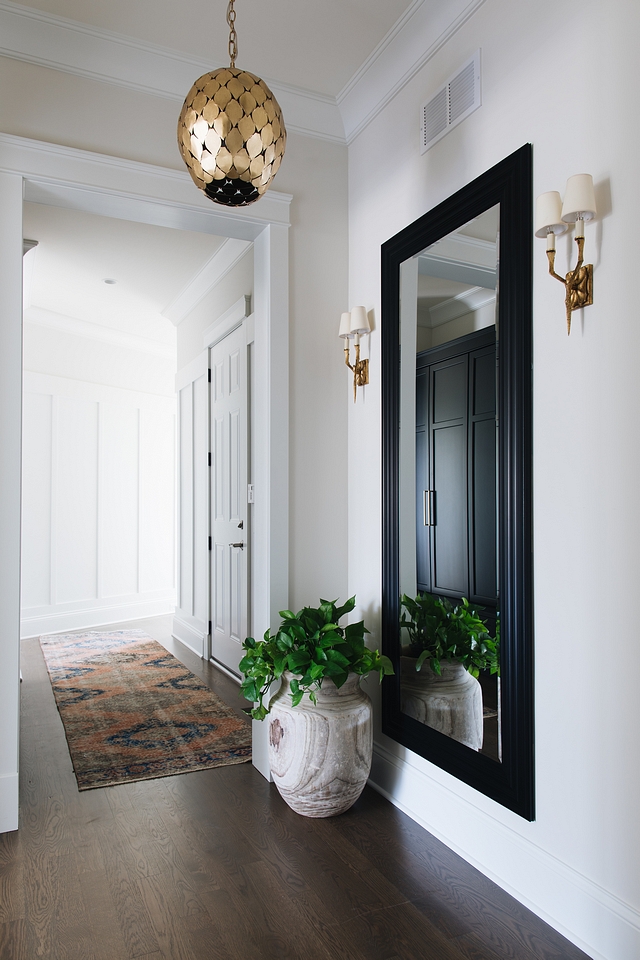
(450, 703)
(320, 754)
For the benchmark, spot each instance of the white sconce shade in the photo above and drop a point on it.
(549, 214)
(579, 199)
(359, 321)
(345, 327)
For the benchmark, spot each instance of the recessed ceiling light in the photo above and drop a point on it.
(109, 280)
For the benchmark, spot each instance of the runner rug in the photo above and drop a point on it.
(131, 711)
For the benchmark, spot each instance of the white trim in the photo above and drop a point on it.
(192, 371)
(218, 266)
(103, 393)
(9, 802)
(613, 925)
(94, 616)
(233, 317)
(414, 40)
(188, 630)
(96, 331)
(460, 305)
(93, 53)
(109, 186)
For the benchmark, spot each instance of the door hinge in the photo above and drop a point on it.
(250, 493)
(209, 374)
(209, 543)
(210, 626)
(209, 456)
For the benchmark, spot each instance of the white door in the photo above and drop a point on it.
(229, 534)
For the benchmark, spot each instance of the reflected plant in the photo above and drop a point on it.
(439, 630)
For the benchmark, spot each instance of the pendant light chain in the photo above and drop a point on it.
(233, 37)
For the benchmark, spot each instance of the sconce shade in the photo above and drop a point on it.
(359, 321)
(231, 136)
(549, 214)
(579, 199)
(345, 327)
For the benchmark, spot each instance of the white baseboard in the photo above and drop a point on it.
(95, 616)
(190, 632)
(592, 918)
(9, 803)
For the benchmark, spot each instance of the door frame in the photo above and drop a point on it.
(48, 173)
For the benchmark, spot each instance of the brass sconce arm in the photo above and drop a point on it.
(578, 282)
(360, 368)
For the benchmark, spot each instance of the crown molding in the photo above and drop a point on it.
(218, 266)
(417, 36)
(97, 331)
(86, 51)
(93, 53)
(460, 305)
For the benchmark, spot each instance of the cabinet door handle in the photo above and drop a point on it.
(427, 508)
(241, 544)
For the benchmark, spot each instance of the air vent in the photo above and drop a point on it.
(453, 102)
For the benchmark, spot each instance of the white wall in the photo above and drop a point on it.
(98, 541)
(564, 76)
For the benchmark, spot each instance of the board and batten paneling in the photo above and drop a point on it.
(98, 529)
(191, 619)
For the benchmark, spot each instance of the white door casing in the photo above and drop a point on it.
(94, 183)
(230, 537)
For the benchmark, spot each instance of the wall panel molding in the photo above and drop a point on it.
(103, 459)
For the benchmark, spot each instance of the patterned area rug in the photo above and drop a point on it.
(131, 711)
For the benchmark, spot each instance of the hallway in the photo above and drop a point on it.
(214, 865)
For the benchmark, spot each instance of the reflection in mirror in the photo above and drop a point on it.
(448, 453)
(456, 492)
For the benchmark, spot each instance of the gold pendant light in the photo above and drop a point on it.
(230, 132)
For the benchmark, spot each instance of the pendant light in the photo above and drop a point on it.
(230, 132)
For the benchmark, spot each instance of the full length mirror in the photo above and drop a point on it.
(456, 530)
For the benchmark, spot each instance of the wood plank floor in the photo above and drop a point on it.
(214, 866)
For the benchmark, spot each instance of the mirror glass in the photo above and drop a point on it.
(447, 508)
(457, 607)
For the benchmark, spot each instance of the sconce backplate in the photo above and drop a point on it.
(580, 286)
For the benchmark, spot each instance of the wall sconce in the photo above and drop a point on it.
(353, 326)
(552, 219)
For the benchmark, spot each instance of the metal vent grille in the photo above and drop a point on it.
(435, 116)
(452, 103)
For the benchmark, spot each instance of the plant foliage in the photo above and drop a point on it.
(438, 630)
(312, 646)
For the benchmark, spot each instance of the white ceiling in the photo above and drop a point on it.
(312, 45)
(77, 251)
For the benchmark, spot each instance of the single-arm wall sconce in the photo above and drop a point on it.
(552, 218)
(353, 326)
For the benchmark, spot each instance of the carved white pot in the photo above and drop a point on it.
(450, 703)
(320, 754)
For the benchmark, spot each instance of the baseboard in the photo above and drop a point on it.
(189, 634)
(9, 803)
(596, 921)
(94, 616)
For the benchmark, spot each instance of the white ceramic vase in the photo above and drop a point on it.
(450, 703)
(320, 754)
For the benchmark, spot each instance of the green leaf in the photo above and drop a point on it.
(287, 615)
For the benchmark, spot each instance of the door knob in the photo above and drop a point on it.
(241, 544)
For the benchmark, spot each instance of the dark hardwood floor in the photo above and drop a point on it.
(214, 865)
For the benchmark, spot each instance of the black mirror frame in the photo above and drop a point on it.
(509, 183)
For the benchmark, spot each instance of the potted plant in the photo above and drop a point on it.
(453, 644)
(320, 733)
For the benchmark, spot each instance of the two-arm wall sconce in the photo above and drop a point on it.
(552, 219)
(353, 326)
